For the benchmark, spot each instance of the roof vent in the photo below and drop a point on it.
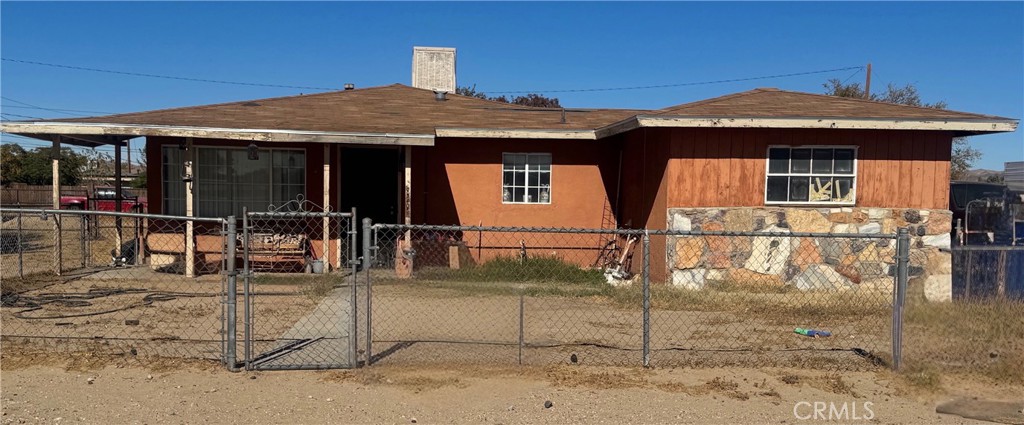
(350, 86)
(440, 95)
(433, 68)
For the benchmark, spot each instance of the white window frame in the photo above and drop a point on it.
(768, 173)
(526, 187)
(196, 171)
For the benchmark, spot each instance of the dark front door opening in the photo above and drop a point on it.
(370, 182)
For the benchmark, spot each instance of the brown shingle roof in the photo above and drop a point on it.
(775, 103)
(387, 109)
(397, 109)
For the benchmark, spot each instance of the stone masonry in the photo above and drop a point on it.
(808, 263)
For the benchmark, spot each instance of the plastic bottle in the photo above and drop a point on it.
(812, 333)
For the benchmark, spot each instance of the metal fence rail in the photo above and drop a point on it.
(114, 283)
(629, 297)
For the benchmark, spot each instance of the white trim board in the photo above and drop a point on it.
(259, 135)
(830, 123)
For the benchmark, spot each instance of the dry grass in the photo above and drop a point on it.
(980, 337)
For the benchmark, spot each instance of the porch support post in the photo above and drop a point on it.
(407, 207)
(118, 199)
(325, 255)
(55, 181)
(190, 237)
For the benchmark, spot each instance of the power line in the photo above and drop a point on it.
(19, 115)
(34, 106)
(58, 109)
(204, 80)
(852, 75)
(168, 77)
(659, 86)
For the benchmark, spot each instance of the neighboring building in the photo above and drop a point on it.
(1013, 175)
(764, 159)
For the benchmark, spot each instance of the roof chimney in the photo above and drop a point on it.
(433, 68)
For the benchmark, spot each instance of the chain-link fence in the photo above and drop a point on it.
(147, 285)
(980, 330)
(299, 290)
(773, 298)
(116, 283)
(626, 297)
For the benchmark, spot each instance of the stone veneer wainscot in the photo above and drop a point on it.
(809, 263)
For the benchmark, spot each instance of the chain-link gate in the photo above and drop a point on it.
(299, 292)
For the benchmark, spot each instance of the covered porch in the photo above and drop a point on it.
(222, 173)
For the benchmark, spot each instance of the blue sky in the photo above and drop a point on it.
(970, 55)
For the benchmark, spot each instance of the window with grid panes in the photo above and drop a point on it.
(811, 175)
(173, 186)
(227, 180)
(526, 178)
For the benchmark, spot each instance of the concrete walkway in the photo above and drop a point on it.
(320, 340)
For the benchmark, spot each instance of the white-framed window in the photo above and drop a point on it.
(526, 178)
(226, 180)
(824, 175)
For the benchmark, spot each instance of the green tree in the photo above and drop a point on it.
(37, 167)
(531, 99)
(963, 155)
(996, 178)
(11, 158)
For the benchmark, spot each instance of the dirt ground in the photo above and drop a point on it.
(43, 389)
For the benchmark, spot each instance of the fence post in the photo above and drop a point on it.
(647, 298)
(246, 276)
(232, 300)
(57, 246)
(367, 262)
(138, 239)
(21, 249)
(83, 233)
(354, 264)
(899, 295)
(1001, 275)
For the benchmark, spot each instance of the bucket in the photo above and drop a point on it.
(316, 266)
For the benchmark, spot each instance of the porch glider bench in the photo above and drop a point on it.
(267, 251)
(278, 252)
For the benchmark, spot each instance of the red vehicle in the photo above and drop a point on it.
(104, 199)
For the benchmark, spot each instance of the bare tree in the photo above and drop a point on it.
(963, 155)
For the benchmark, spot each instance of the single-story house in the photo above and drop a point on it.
(401, 154)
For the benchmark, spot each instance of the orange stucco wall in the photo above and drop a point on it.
(458, 181)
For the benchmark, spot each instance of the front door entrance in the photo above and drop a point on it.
(369, 181)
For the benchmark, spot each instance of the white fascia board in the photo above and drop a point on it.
(976, 126)
(617, 128)
(493, 133)
(264, 135)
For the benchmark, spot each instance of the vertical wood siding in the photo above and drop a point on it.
(726, 167)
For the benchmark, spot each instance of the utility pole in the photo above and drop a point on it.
(867, 84)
